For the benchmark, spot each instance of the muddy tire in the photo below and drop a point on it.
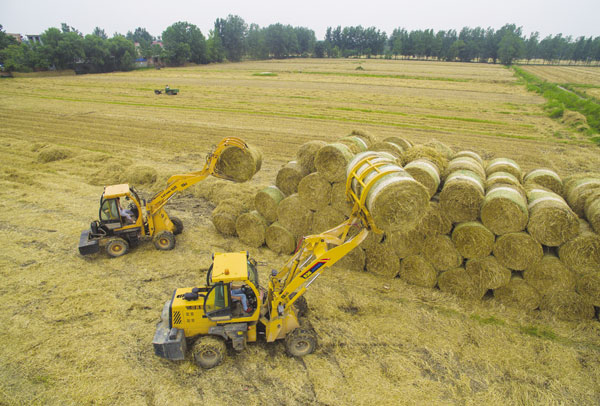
(117, 247)
(178, 225)
(301, 342)
(208, 351)
(157, 92)
(164, 241)
(301, 306)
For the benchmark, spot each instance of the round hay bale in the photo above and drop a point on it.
(459, 282)
(401, 142)
(440, 251)
(331, 161)
(355, 144)
(354, 260)
(295, 215)
(389, 147)
(592, 210)
(461, 196)
(251, 228)
(306, 154)
(473, 240)
(588, 286)
(372, 240)
(415, 270)
(581, 254)
(546, 178)
(578, 189)
(53, 154)
(367, 137)
(518, 293)
(406, 243)
(567, 305)
(504, 210)
(426, 173)
(279, 239)
(140, 175)
(435, 220)
(325, 219)
(470, 154)
(382, 260)
(225, 215)
(468, 164)
(489, 272)
(315, 190)
(338, 199)
(237, 164)
(266, 202)
(442, 148)
(551, 220)
(502, 178)
(504, 165)
(517, 251)
(549, 274)
(431, 154)
(289, 176)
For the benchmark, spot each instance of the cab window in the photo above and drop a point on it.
(217, 301)
(109, 210)
(252, 274)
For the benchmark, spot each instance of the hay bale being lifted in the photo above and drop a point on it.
(417, 271)
(382, 260)
(461, 196)
(473, 240)
(581, 254)
(489, 272)
(470, 154)
(518, 293)
(588, 286)
(289, 177)
(251, 228)
(460, 283)
(440, 251)
(504, 165)
(518, 251)
(592, 210)
(225, 215)
(567, 305)
(401, 142)
(315, 190)
(468, 164)
(504, 210)
(266, 202)
(239, 165)
(331, 161)
(578, 188)
(279, 239)
(295, 215)
(546, 178)
(551, 220)
(425, 172)
(306, 154)
(549, 274)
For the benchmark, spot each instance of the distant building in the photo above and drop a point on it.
(34, 39)
(18, 37)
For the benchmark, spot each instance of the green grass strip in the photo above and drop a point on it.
(373, 75)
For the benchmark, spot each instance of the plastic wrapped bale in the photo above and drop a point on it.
(504, 165)
(581, 254)
(503, 178)
(442, 148)
(331, 161)
(306, 154)
(251, 228)
(546, 178)
(354, 260)
(440, 251)
(459, 282)
(238, 164)
(367, 137)
(389, 147)
(578, 188)
(354, 143)
(279, 239)
(406, 243)
(470, 154)
(435, 220)
(425, 172)
(338, 199)
(489, 272)
(567, 305)
(382, 260)
(588, 286)
(549, 274)
(473, 240)
(225, 215)
(551, 220)
(461, 196)
(468, 164)
(266, 202)
(289, 176)
(517, 251)
(592, 210)
(325, 219)
(415, 270)
(295, 215)
(315, 190)
(401, 142)
(504, 210)
(431, 154)
(519, 294)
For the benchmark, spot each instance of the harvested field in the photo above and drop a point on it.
(78, 330)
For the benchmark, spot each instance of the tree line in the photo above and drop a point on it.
(232, 39)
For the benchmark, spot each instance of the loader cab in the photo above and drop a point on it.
(118, 197)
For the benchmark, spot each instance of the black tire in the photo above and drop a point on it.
(301, 306)
(301, 342)
(117, 247)
(208, 351)
(157, 92)
(164, 241)
(178, 225)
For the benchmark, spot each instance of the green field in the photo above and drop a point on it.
(78, 330)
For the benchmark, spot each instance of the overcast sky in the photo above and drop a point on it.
(569, 17)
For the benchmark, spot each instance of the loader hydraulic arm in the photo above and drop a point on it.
(178, 183)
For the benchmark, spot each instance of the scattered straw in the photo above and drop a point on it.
(53, 154)
(140, 175)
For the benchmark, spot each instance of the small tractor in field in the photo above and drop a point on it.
(167, 90)
(120, 228)
(205, 318)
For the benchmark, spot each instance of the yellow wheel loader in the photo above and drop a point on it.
(125, 218)
(234, 307)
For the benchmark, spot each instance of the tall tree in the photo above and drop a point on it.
(184, 42)
(232, 32)
(99, 32)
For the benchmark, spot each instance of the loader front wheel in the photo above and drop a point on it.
(301, 342)
(209, 351)
(164, 241)
(117, 247)
(178, 225)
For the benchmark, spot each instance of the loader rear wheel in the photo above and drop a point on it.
(178, 225)
(301, 342)
(301, 306)
(165, 240)
(117, 247)
(209, 351)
